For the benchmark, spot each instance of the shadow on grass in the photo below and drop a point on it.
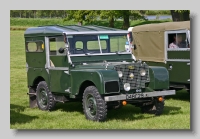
(131, 113)
(70, 107)
(180, 95)
(16, 115)
(128, 112)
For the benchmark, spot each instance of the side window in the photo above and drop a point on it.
(177, 40)
(36, 46)
(79, 45)
(55, 44)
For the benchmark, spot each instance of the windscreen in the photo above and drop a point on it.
(104, 43)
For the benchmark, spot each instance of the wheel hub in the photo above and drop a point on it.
(43, 98)
(91, 106)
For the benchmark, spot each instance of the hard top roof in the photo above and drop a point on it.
(51, 30)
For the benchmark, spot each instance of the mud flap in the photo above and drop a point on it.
(32, 98)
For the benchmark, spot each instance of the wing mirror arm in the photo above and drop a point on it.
(61, 50)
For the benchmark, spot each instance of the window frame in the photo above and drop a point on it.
(27, 50)
(57, 53)
(166, 44)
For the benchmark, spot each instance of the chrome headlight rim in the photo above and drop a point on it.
(142, 72)
(120, 74)
(127, 86)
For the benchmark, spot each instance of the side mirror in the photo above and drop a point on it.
(61, 50)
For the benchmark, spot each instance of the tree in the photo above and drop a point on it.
(126, 15)
(82, 15)
(110, 15)
(180, 15)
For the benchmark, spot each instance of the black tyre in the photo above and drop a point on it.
(94, 106)
(155, 108)
(45, 99)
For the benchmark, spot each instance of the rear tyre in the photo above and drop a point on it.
(94, 106)
(45, 99)
(155, 108)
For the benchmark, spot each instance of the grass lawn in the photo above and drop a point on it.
(176, 113)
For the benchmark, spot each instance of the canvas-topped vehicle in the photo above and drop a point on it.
(90, 64)
(167, 45)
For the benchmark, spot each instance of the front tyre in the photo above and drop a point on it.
(94, 106)
(45, 99)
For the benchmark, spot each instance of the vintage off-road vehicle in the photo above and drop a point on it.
(90, 64)
(151, 44)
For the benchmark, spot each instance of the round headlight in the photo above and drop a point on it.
(120, 74)
(127, 87)
(142, 72)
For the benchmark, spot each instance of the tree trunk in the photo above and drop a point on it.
(34, 12)
(20, 14)
(111, 22)
(175, 15)
(186, 15)
(126, 23)
(180, 16)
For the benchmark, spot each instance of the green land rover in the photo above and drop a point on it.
(154, 44)
(89, 64)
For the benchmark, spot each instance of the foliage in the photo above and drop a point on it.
(38, 21)
(82, 15)
(181, 11)
(38, 13)
(180, 15)
(23, 23)
(157, 12)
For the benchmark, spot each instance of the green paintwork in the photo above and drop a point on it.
(36, 59)
(96, 58)
(180, 72)
(34, 73)
(159, 78)
(59, 80)
(178, 54)
(98, 77)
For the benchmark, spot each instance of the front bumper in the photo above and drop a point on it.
(139, 95)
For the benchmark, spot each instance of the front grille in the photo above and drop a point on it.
(137, 81)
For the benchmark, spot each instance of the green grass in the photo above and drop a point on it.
(176, 113)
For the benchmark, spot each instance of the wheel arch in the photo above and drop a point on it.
(83, 86)
(37, 80)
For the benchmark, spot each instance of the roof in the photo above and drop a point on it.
(166, 26)
(130, 29)
(50, 30)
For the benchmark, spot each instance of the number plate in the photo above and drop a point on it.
(134, 96)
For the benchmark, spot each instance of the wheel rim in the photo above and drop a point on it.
(91, 106)
(42, 98)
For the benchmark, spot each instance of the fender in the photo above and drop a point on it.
(35, 73)
(159, 78)
(98, 77)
